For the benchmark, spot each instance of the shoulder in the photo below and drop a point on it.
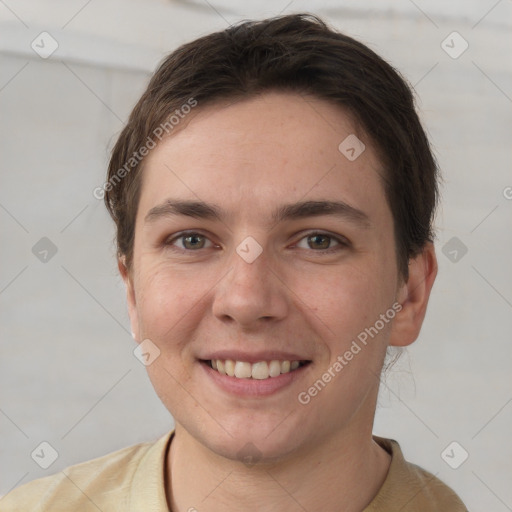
(411, 488)
(83, 487)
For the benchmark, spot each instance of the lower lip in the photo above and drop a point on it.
(253, 387)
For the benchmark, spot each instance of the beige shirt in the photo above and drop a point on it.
(132, 480)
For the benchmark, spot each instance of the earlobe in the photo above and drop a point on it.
(413, 296)
(130, 296)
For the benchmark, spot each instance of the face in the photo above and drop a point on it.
(262, 271)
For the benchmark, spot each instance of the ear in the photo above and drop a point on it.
(413, 296)
(130, 296)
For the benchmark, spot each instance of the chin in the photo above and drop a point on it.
(256, 440)
(254, 450)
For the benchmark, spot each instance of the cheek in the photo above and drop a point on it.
(170, 301)
(169, 307)
(346, 300)
(349, 304)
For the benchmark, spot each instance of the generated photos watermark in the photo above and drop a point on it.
(158, 133)
(304, 397)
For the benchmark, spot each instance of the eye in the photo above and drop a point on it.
(190, 241)
(322, 242)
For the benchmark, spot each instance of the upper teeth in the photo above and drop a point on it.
(259, 370)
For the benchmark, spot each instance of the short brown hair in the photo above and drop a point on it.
(296, 53)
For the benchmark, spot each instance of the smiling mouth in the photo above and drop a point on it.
(260, 371)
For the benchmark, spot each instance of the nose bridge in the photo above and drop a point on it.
(250, 290)
(250, 269)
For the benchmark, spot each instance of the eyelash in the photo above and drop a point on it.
(342, 242)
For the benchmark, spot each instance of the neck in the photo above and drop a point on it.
(343, 474)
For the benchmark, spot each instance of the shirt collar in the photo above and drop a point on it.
(147, 491)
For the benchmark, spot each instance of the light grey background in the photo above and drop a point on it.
(68, 375)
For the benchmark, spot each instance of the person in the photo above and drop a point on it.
(273, 193)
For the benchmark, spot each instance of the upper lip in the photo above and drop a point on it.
(253, 357)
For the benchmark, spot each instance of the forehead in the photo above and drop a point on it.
(256, 154)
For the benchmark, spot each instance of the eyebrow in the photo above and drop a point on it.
(294, 211)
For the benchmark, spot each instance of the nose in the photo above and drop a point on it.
(251, 293)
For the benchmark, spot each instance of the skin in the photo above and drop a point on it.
(249, 158)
